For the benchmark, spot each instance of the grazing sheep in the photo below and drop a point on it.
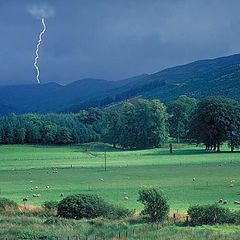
(194, 179)
(126, 198)
(31, 181)
(101, 179)
(36, 187)
(125, 193)
(62, 195)
(220, 201)
(25, 199)
(225, 202)
(36, 195)
(47, 187)
(32, 188)
(237, 202)
(232, 183)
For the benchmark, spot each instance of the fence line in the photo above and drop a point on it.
(121, 234)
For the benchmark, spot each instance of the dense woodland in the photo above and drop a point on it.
(138, 123)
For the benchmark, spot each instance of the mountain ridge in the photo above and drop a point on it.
(219, 76)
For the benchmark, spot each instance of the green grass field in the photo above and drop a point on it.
(127, 171)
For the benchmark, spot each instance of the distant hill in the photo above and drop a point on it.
(220, 76)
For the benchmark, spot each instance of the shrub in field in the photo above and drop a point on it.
(155, 203)
(50, 205)
(88, 206)
(36, 234)
(236, 217)
(116, 212)
(7, 204)
(209, 214)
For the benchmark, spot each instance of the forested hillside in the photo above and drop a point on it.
(216, 77)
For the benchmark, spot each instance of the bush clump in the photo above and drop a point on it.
(155, 204)
(116, 212)
(50, 205)
(88, 206)
(209, 215)
(7, 204)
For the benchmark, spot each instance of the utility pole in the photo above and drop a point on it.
(105, 158)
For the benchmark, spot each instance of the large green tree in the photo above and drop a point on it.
(215, 121)
(180, 112)
(112, 125)
(143, 124)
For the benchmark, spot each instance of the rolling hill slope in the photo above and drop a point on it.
(220, 76)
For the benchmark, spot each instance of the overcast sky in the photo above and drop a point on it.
(112, 39)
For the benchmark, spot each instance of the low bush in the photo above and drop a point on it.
(209, 215)
(236, 217)
(116, 212)
(7, 204)
(89, 206)
(155, 204)
(33, 234)
(50, 205)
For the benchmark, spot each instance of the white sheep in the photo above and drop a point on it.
(36, 195)
(126, 198)
(47, 187)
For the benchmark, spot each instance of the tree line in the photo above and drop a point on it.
(50, 128)
(134, 124)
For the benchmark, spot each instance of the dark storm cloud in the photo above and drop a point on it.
(113, 39)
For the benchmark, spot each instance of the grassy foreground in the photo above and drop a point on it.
(127, 171)
(29, 227)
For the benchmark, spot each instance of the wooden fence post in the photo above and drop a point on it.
(174, 218)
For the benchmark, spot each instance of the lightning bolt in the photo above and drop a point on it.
(37, 49)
